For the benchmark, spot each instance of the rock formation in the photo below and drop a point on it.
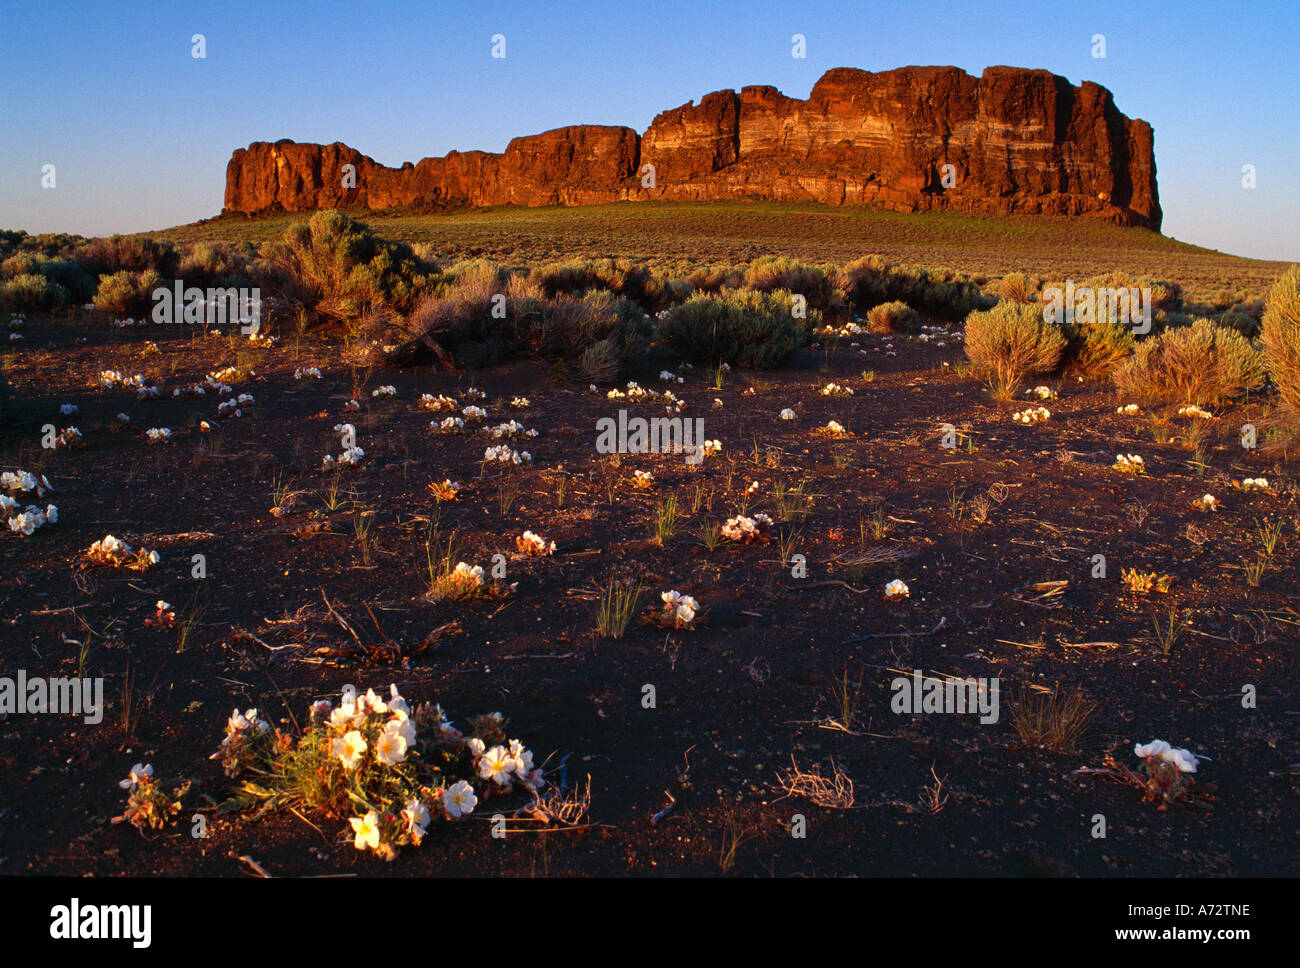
(1009, 141)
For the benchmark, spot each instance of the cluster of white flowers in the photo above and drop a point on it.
(789, 415)
(504, 454)
(534, 545)
(128, 322)
(897, 589)
(384, 392)
(747, 529)
(352, 406)
(642, 479)
(474, 413)
(1128, 410)
(467, 576)
(108, 379)
(109, 550)
(833, 428)
(195, 390)
(1042, 393)
(306, 372)
(351, 457)
(667, 376)
(25, 520)
(522, 403)
(229, 408)
(1192, 410)
(635, 393)
(437, 404)
(1158, 749)
(448, 425)
(68, 437)
(835, 390)
(1207, 502)
(1129, 464)
(503, 765)
(1032, 415)
(263, 339)
(140, 773)
(474, 393)
(158, 435)
(1254, 484)
(147, 393)
(231, 374)
(240, 725)
(23, 481)
(679, 610)
(511, 430)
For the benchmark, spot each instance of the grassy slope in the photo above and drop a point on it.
(689, 234)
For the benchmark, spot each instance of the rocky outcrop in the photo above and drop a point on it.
(1009, 141)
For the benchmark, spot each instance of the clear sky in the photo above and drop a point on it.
(140, 131)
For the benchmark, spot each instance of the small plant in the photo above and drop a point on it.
(710, 536)
(1255, 570)
(845, 695)
(1052, 720)
(1269, 532)
(362, 522)
(1010, 342)
(151, 804)
(1166, 775)
(617, 606)
(1145, 582)
(664, 521)
(1170, 631)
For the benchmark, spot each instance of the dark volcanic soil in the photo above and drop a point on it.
(739, 699)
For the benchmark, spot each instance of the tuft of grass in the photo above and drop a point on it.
(845, 695)
(1170, 631)
(1052, 720)
(616, 609)
(663, 521)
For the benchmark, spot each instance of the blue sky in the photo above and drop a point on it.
(140, 131)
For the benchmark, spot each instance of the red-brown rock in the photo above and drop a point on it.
(1018, 141)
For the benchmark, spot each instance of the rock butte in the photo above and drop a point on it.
(1020, 142)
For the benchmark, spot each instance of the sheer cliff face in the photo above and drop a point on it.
(1017, 141)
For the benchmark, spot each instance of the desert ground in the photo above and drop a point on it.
(752, 733)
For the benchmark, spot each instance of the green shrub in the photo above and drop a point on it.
(33, 292)
(892, 317)
(1098, 348)
(739, 327)
(716, 278)
(814, 283)
(339, 270)
(20, 264)
(1280, 334)
(106, 256)
(1248, 326)
(127, 292)
(625, 278)
(1018, 287)
(1200, 364)
(597, 337)
(81, 285)
(1010, 342)
(457, 325)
